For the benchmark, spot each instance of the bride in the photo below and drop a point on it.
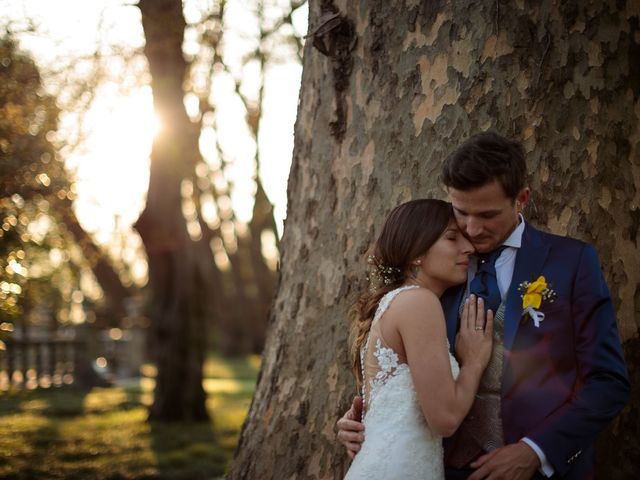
(413, 390)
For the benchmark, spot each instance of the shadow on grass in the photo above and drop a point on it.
(187, 451)
(53, 402)
(103, 434)
(182, 450)
(30, 421)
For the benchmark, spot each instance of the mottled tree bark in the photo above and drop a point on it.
(401, 84)
(177, 283)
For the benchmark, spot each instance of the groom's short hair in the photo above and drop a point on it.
(483, 158)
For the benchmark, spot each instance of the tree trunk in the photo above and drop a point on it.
(264, 279)
(177, 310)
(399, 86)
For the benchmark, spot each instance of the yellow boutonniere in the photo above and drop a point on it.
(532, 295)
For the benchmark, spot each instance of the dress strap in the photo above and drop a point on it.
(386, 300)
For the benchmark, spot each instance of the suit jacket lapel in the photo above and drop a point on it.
(529, 262)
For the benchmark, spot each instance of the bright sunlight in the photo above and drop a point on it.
(113, 169)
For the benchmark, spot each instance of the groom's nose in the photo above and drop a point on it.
(474, 227)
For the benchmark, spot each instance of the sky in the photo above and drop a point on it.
(120, 123)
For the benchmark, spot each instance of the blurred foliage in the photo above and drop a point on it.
(67, 433)
(40, 266)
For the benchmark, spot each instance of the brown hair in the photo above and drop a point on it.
(409, 231)
(483, 158)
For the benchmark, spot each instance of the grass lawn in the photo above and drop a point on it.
(64, 433)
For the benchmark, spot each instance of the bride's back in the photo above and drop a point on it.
(398, 441)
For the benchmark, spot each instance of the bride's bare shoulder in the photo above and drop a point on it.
(417, 295)
(416, 301)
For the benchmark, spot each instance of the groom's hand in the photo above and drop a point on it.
(517, 461)
(350, 429)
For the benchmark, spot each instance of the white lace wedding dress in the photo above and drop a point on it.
(398, 442)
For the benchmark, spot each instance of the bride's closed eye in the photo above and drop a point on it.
(451, 234)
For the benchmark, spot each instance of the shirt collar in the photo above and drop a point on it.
(515, 239)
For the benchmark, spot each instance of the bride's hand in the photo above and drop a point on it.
(475, 337)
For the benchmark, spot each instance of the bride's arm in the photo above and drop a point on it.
(421, 325)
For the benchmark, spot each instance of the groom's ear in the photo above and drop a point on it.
(522, 199)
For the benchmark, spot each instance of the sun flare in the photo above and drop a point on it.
(112, 177)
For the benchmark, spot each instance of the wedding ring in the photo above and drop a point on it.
(479, 328)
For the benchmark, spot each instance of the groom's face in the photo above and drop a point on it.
(485, 215)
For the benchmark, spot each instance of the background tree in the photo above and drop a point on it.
(41, 102)
(44, 275)
(231, 61)
(389, 89)
(175, 262)
(203, 262)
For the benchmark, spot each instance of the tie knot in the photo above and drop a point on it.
(492, 256)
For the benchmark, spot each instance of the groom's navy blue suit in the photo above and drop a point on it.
(565, 380)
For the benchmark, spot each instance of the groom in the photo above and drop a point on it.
(557, 374)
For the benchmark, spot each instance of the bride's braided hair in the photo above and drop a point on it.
(409, 231)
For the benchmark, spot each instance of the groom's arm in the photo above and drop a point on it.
(602, 373)
(545, 468)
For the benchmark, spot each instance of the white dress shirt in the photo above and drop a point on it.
(505, 264)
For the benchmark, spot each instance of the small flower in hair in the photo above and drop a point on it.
(381, 274)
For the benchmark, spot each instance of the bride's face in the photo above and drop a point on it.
(445, 263)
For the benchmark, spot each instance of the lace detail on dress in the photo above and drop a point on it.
(389, 367)
(387, 358)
